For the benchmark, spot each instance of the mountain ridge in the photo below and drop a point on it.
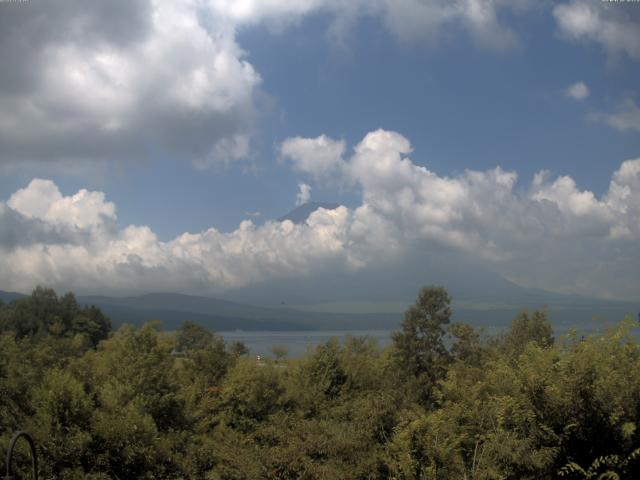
(172, 309)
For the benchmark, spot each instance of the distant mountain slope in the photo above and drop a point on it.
(301, 213)
(179, 303)
(173, 309)
(173, 319)
(6, 297)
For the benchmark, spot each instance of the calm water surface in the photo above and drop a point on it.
(298, 342)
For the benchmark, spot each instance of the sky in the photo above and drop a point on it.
(150, 145)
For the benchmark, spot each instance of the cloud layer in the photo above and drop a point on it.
(625, 118)
(407, 20)
(94, 80)
(614, 26)
(102, 80)
(550, 234)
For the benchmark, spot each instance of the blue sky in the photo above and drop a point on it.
(468, 91)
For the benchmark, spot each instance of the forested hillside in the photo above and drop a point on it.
(441, 402)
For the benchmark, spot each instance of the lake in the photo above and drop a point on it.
(298, 342)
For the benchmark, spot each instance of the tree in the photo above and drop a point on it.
(238, 349)
(467, 346)
(192, 336)
(44, 314)
(91, 322)
(325, 370)
(419, 347)
(250, 394)
(280, 352)
(526, 328)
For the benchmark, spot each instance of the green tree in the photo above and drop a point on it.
(192, 336)
(467, 346)
(238, 349)
(280, 352)
(325, 371)
(525, 328)
(250, 394)
(419, 346)
(45, 314)
(61, 424)
(92, 323)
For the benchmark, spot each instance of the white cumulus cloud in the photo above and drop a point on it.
(321, 156)
(551, 234)
(577, 91)
(304, 193)
(42, 199)
(102, 80)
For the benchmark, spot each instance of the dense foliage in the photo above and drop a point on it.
(441, 402)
